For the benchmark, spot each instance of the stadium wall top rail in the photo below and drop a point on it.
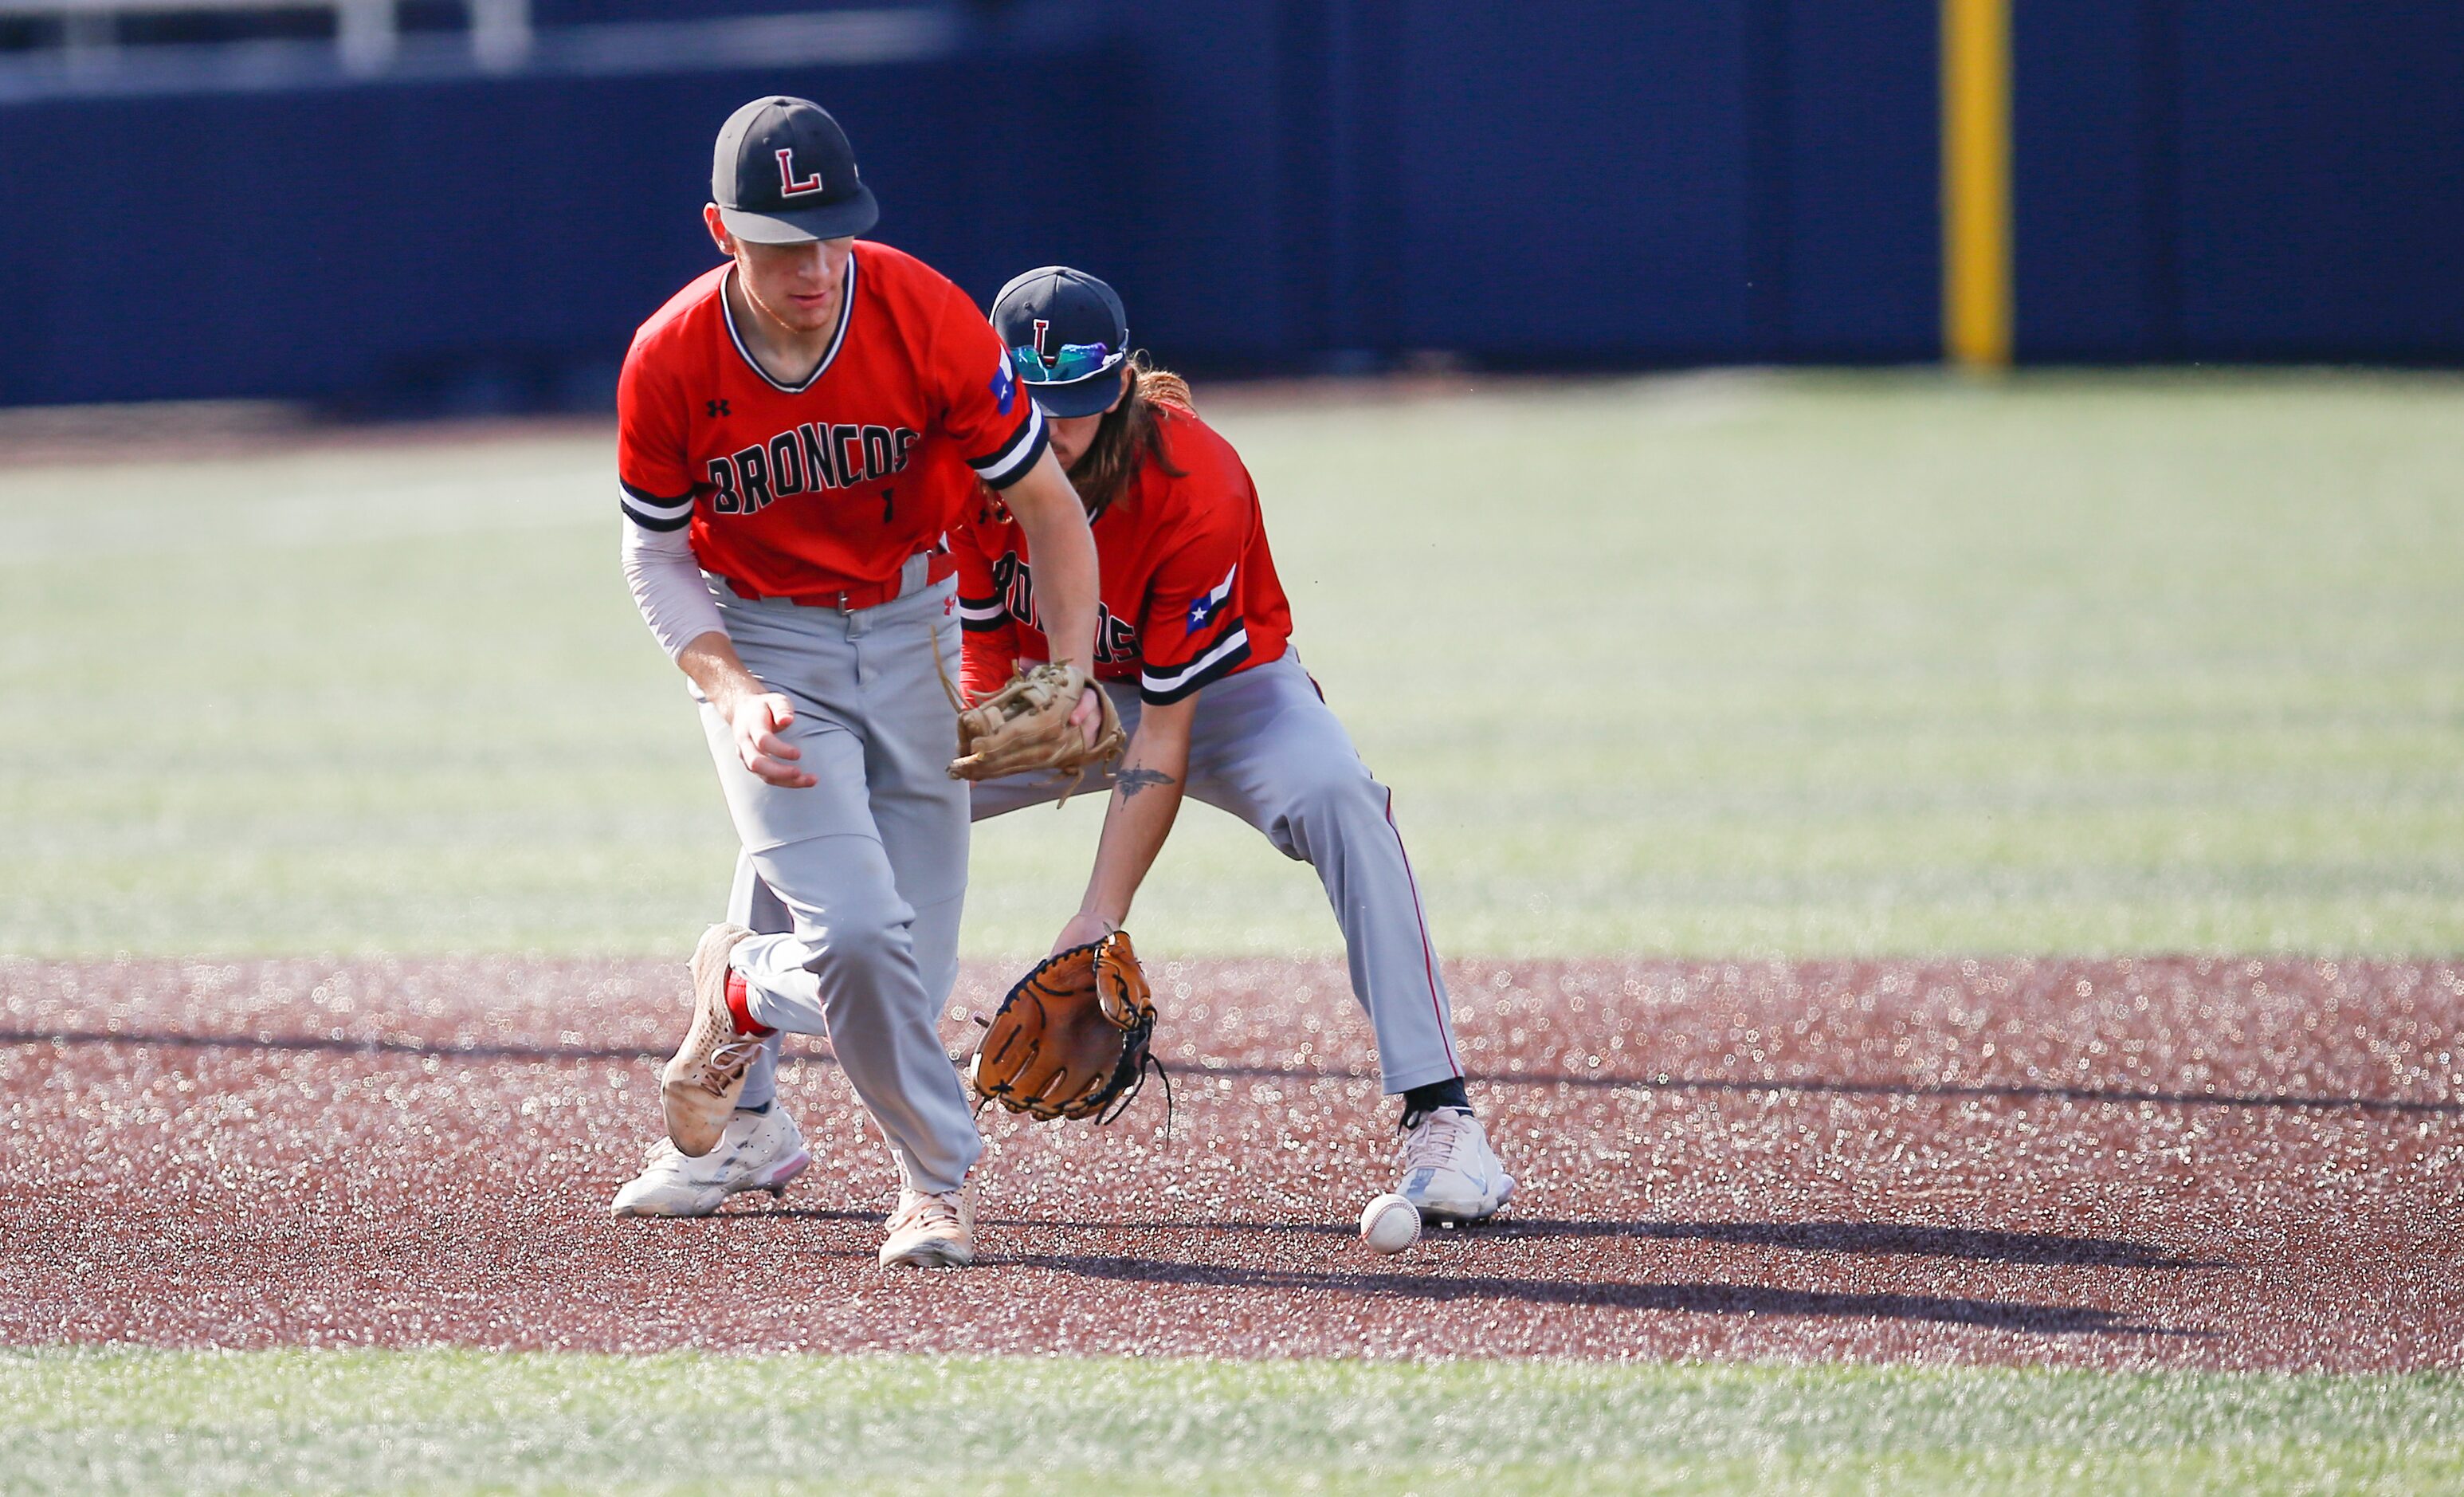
(503, 40)
(367, 33)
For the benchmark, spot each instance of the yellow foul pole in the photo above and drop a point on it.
(1976, 182)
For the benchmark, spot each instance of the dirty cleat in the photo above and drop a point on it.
(932, 1231)
(698, 1087)
(758, 1151)
(1449, 1171)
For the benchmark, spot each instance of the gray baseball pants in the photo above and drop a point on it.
(1264, 746)
(855, 884)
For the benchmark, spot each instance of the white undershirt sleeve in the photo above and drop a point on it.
(667, 586)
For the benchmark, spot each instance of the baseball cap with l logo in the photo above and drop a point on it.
(1068, 335)
(784, 173)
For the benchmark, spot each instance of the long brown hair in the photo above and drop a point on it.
(1128, 435)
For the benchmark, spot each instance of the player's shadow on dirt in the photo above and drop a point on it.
(2012, 1091)
(1877, 1238)
(1709, 1298)
(508, 1050)
(761, 1208)
(317, 1044)
(1880, 1238)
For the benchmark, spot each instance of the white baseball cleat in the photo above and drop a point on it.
(698, 1087)
(1449, 1171)
(758, 1151)
(932, 1231)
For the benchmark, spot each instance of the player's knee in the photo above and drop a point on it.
(1336, 794)
(862, 938)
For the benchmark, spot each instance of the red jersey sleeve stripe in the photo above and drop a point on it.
(651, 512)
(1018, 454)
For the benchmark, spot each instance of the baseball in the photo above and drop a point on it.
(1390, 1223)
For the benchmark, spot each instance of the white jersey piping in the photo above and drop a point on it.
(838, 338)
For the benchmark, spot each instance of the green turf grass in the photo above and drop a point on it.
(142, 1420)
(1723, 665)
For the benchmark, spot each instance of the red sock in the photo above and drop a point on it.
(736, 1005)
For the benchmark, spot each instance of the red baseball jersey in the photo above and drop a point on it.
(1187, 585)
(810, 490)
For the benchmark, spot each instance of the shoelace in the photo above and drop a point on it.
(1432, 1145)
(728, 1061)
(922, 1210)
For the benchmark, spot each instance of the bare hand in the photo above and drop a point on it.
(1083, 930)
(755, 722)
(1087, 717)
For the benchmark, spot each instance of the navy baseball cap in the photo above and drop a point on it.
(1068, 335)
(784, 173)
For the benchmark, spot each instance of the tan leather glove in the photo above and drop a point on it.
(1025, 726)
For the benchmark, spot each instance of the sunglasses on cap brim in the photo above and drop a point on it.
(1074, 361)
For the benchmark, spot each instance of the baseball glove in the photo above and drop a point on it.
(1025, 726)
(1070, 1038)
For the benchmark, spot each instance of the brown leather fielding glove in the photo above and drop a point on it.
(1070, 1038)
(1025, 726)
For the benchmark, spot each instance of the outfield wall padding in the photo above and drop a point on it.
(1285, 186)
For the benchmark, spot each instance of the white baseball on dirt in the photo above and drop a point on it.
(1390, 1223)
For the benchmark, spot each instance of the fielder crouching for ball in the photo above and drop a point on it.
(1191, 642)
(799, 428)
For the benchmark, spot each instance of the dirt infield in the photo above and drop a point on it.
(2152, 1164)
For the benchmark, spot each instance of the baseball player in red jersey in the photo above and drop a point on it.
(1193, 642)
(799, 428)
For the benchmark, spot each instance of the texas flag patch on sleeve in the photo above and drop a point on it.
(1203, 610)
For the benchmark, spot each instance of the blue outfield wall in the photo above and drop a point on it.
(476, 243)
(1560, 181)
(1280, 184)
(2239, 180)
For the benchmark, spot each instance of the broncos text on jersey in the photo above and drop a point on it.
(814, 489)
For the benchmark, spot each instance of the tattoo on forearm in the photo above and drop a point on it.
(1138, 778)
